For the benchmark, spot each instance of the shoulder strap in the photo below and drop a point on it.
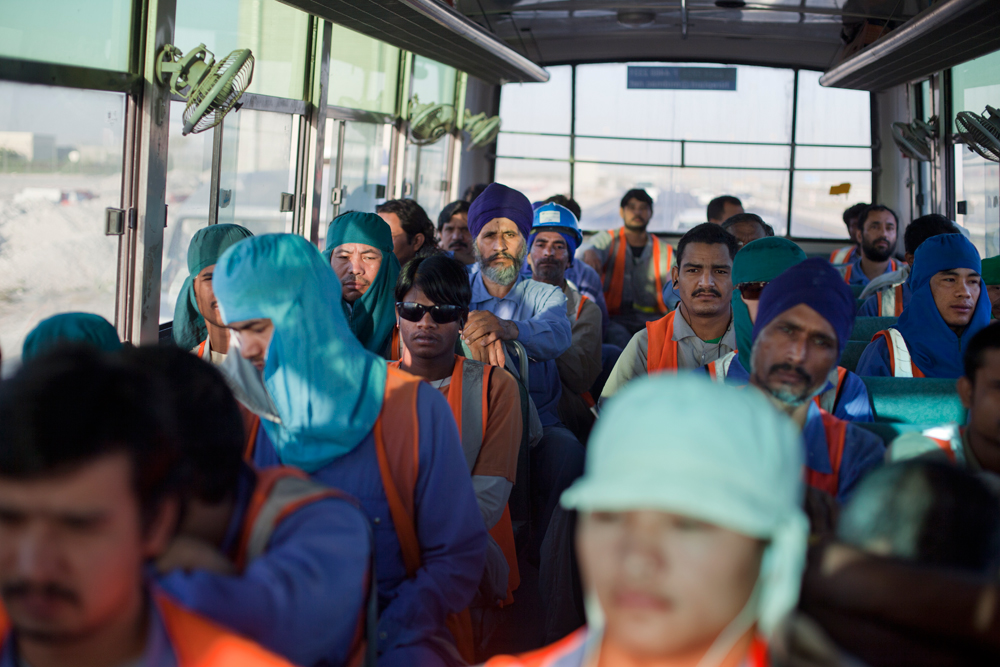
(661, 348)
(252, 429)
(848, 270)
(898, 304)
(829, 399)
(614, 286)
(398, 451)
(658, 271)
(280, 491)
(835, 431)
(470, 413)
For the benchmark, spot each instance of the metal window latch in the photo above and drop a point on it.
(114, 221)
(407, 189)
(444, 186)
(337, 196)
(963, 207)
(287, 202)
(379, 191)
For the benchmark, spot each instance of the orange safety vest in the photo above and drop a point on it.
(836, 437)
(843, 255)
(952, 447)
(587, 398)
(915, 372)
(398, 451)
(196, 641)
(614, 280)
(661, 348)
(850, 270)
(890, 299)
(757, 654)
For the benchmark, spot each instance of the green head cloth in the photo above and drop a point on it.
(991, 271)
(206, 248)
(373, 316)
(762, 260)
(70, 327)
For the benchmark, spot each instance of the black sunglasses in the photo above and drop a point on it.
(414, 312)
(751, 291)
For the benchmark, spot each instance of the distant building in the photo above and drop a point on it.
(29, 145)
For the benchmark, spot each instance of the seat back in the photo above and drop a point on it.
(856, 290)
(890, 431)
(852, 354)
(866, 327)
(915, 400)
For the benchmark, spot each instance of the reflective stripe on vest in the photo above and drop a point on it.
(843, 255)
(661, 348)
(614, 270)
(949, 439)
(202, 350)
(579, 306)
(890, 301)
(828, 399)
(836, 437)
(899, 355)
(718, 370)
(280, 491)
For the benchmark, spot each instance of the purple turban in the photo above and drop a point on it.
(816, 284)
(499, 201)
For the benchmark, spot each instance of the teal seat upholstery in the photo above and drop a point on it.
(852, 354)
(857, 290)
(866, 327)
(858, 303)
(890, 431)
(914, 400)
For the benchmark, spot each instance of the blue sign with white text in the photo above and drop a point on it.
(681, 78)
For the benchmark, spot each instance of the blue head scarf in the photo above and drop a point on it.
(816, 284)
(70, 327)
(499, 201)
(759, 261)
(373, 316)
(206, 248)
(931, 342)
(326, 387)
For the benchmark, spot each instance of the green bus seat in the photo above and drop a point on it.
(852, 354)
(866, 327)
(914, 400)
(856, 290)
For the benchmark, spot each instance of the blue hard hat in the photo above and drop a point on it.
(554, 215)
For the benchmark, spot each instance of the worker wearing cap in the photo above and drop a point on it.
(804, 320)
(70, 328)
(552, 243)
(691, 547)
(991, 278)
(197, 323)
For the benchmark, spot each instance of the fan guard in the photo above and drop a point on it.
(981, 133)
(482, 129)
(915, 140)
(211, 89)
(429, 123)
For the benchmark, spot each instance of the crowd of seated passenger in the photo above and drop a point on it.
(437, 444)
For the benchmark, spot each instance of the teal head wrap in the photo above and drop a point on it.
(762, 260)
(206, 247)
(327, 389)
(70, 327)
(373, 316)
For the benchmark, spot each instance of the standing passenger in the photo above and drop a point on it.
(701, 329)
(412, 231)
(197, 323)
(877, 229)
(453, 226)
(804, 321)
(336, 411)
(635, 267)
(88, 498)
(692, 546)
(359, 248)
(946, 310)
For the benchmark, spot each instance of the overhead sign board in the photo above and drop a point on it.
(681, 78)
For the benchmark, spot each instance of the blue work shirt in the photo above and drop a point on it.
(852, 405)
(587, 282)
(863, 451)
(450, 528)
(875, 361)
(539, 311)
(858, 276)
(870, 307)
(317, 554)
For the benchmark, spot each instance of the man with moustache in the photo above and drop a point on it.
(634, 266)
(877, 226)
(505, 306)
(804, 321)
(453, 226)
(701, 329)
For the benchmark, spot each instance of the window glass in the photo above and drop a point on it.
(539, 107)
(431, 185)
(86, 34)
(537, 179)
(366, 166)
(364, 72)
(433, 82)
(759, 109)
(621, 150)
(60, 167)
(189, 181)
(527, 145)
(818, 214)
(808, 157)
(258, 165)
(832, 115)
(976, 84)
(277, 34)
(680, 196)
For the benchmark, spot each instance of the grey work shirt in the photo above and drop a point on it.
(639, 284)
(692, 352)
